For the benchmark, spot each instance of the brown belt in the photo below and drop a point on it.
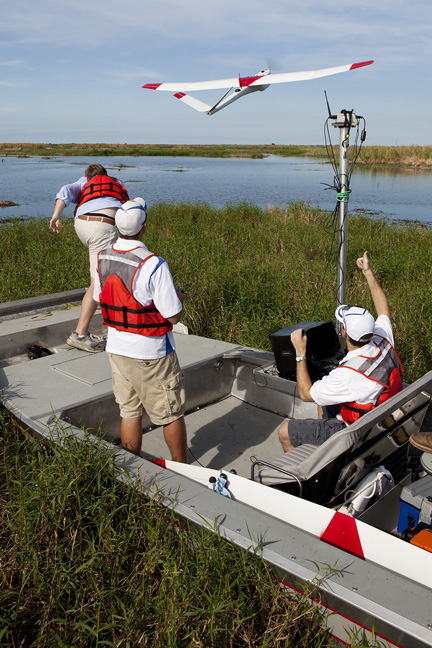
(96, 217)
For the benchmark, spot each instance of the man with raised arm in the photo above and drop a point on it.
(367, 376)
(140, 305)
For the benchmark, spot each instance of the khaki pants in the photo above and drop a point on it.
(95, 236)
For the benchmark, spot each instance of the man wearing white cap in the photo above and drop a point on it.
(368, 375)
(140, 305)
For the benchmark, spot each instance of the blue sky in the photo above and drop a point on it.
(72, 71)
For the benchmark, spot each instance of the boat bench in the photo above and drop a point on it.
(324, 473)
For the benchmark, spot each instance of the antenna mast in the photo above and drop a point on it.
(345, 120)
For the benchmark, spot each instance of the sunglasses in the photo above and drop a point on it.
(343, 312)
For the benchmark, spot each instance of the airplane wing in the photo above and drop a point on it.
(192, 102)
(243, 82)
(192, 86)
(305, 76)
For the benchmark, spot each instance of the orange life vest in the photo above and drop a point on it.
(384, 368)
(120, 309)
(100, 186)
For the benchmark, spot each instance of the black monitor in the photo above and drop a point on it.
(322, 344)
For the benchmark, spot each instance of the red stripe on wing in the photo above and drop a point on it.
(152, 86)
(354, 66)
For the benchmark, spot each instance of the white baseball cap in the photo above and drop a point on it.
(131, 216)
(358, 322)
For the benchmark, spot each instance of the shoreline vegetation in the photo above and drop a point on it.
(408, 157)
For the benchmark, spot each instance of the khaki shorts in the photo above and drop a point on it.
(95, 236)
(156, 386)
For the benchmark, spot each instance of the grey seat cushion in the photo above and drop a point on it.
(289, 462)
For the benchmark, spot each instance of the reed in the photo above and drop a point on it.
(412, 157)
(89, 561)
(151, 150)
(249, 272)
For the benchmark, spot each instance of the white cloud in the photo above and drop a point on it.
(128, 75)
(10, 84)
(14, 63)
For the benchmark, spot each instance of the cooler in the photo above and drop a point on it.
(415, 504)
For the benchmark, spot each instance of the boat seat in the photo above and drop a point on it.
(324, 473)
(286, 466)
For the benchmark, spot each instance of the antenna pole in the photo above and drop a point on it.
(344, 121)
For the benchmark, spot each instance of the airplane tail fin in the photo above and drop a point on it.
(192, 102)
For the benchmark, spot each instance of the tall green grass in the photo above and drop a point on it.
(249, 272)
(88, 561)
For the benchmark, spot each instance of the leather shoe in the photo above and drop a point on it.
(422, 441)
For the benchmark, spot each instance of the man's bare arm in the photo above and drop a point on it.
(304, 383)
(55, 218)
(379, 299)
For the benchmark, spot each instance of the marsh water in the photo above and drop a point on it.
(400, 194)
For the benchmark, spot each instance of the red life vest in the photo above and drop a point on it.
(384, 368)
(100, 186)
(120, 309)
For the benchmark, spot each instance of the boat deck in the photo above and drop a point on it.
(221, 435)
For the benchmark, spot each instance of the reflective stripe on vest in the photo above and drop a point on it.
(384, 368)
(120, 309)
(101, 186)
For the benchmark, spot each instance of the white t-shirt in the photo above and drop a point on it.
(346, 386)
(152, 283)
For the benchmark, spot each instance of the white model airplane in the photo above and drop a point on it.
(243, 85)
